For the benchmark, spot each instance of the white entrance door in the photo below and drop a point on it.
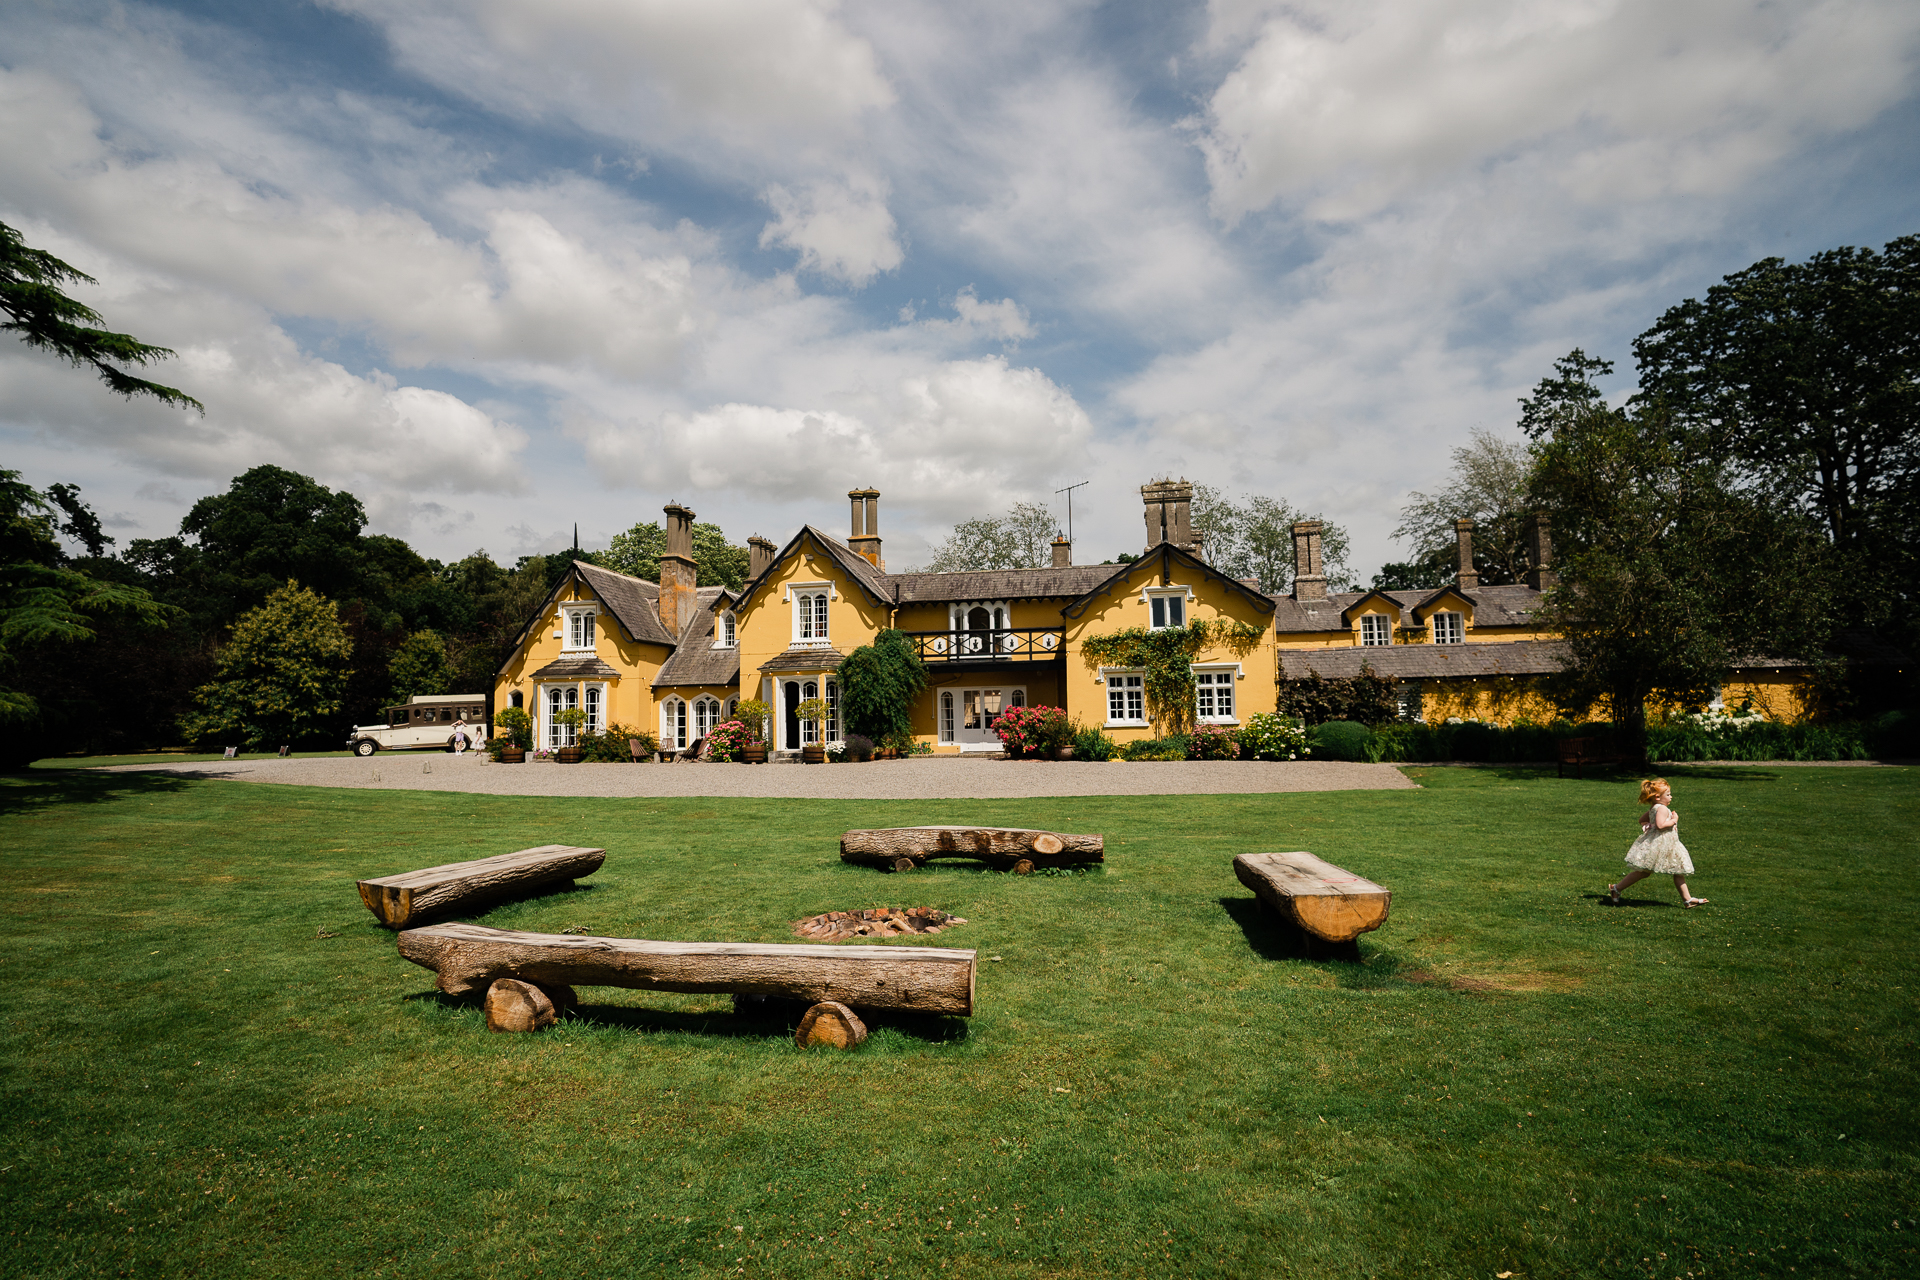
(967, 715)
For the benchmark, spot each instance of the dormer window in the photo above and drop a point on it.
(579, 630)
(724, 634)
(1166, 607)
(1448, 628)
(1375, 629)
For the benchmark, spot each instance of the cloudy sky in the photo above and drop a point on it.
(500, 266)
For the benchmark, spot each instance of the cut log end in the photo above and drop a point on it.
(514, 1006)
(1024, 867)
(832, 1025)
(1047, 842)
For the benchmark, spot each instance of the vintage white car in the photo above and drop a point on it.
(428, 720)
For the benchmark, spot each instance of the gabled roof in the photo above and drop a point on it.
(635, 602)
(1427, 661)
(856, 566)
(799, 657)
(1346, 614)
(695, 661)
(1507, 606)
(1171, 560)
(1455, 590)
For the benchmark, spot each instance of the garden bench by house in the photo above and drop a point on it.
(1325, 902)
(835, 980)
(904, 848)
(406, 899)
(1584, 751)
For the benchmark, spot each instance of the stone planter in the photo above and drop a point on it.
(754, 755)
(813, 755)
(513, 755)
(569, 755)
(1063, 753)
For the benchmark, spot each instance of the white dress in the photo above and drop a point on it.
(1660, 851)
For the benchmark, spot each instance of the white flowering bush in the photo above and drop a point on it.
(1721, 718)
(1275, 737)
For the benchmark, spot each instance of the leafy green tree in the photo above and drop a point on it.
(421, 666)
(48, 605)
(1661, 590)
(1253, 538)
(717, 562)
(1807, 376)
(1489, 487)
(45, 318)
(281, 678)
(1021, 539)
(879, 683)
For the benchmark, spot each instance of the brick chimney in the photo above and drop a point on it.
(760, 553)
(1169, 513)
(1309, 582)
(865, 540)
(1062, 552)
(677, 573)
(1540, 534)
(1463, 534)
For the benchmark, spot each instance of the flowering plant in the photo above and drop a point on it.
(1737, 718)
(727, 740)
(1273, 737)
(1213, 742)
(1027, 731)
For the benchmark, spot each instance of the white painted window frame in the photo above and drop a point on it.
(1380, 633)
(806, 613)
(707, 710)
(1236, 672)
(1436, 628)
(675, 719)
(574, 620)
(726, 631)
(1172, 592)
(1107, 677)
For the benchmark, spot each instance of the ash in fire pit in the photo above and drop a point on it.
(875, 922)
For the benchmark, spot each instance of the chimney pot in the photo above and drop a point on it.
(1169, 513)
(760, 553)
(865, 539)
(1309, 581)
(678, 576)
(1541, 576)
(1463, 534)
(1062, 552)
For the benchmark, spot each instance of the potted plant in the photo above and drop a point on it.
(572, 718)
(513, 735)
(729, 742)
(814, 712)
(753, 713)
(859, 747)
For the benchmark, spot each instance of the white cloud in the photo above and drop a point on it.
(760, 76)
(1343, 108)
(840, 229)
(956, 437)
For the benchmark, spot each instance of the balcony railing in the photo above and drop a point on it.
(1009, 644)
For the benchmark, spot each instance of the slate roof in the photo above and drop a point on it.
(817, 657)
(1173, 559)
(1455, 661)
(576, 666)
(635, 603)
(1510, 606)
(1070, 582)
(695, 661)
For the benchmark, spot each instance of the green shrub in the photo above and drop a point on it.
(611, 747)
(1213, 742)
(512, 724)
(1172, 747)
(1090, 743)
(1275, 737)
(1339, 740)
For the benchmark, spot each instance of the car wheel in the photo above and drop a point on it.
(365, 747)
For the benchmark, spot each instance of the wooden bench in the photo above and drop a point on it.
(406, 899)
(1585, 751)
(1326, 903)
(1008, 848)
(469, 958)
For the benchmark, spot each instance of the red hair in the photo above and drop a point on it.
(1650, 789)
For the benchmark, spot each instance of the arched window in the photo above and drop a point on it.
(809, 729)
(558, 700)
(593, 724)
(706, 714)
(833, 711)
(946, 715)
(727, 635)
(733, 707)
(673, 723)
(518, 698)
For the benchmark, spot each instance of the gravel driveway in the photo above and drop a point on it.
(947, 777)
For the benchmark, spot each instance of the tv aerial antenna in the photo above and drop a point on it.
(1069, 492)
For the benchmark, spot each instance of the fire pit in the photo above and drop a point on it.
(874, 922)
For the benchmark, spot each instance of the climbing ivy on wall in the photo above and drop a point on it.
(1167, 658)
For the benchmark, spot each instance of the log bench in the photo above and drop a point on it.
(1017, 849)
(1328, 904)
(469, 958)
(1585, 751)
(412, 896)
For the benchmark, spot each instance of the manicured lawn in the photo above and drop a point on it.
(173, 757)
(200, 1081)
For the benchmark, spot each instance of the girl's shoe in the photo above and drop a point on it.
(1696, 902)
(1613, 894)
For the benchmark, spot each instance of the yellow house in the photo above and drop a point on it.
(677, 659)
